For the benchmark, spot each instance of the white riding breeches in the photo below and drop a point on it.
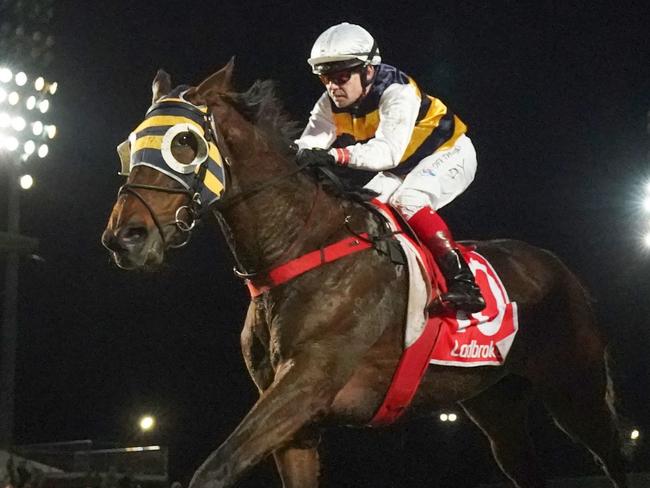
(434, 182)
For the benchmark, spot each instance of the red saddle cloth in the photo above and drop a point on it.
(452, 339)
(482, 339)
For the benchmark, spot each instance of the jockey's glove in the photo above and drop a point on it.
(315, 157)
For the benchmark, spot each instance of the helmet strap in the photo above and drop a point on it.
(365, 81)
(373, 52)
(365, 84)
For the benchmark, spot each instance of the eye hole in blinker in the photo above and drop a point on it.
(183, 148)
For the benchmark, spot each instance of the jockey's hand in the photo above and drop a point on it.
(315, 157)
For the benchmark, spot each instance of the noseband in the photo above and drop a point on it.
(192, 209)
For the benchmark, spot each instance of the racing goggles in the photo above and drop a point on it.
(340, 77)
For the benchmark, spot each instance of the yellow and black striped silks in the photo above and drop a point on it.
(151, 146)
(436, 127)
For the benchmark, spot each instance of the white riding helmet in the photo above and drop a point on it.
(343, 46)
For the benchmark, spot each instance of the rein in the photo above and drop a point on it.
(230, 200)
(130, 189)
(195, 209)
(249, 276)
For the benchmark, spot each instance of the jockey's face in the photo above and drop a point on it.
(344, 87)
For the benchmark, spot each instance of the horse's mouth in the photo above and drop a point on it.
(148, 254)
(149, 258)
(129, 264)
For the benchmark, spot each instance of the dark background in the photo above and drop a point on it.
(555, 95)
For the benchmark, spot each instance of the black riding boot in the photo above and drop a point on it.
(462, 291)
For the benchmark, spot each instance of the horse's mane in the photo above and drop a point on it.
(261, 106)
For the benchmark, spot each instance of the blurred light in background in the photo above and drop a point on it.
(448, 417)
(26, 182)
(147, 423)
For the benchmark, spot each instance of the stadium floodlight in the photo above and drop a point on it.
(20, 78)
(6, 75)
(11, 143)
(29, 147)
(18, 123)
(39, 83)
(37, 128)
(26, 182)
(19, 40)
(25, 121)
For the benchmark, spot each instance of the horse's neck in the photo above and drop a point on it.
(282, 220)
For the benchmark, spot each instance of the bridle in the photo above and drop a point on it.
(195, 208)
(131, 189)
(193, 190)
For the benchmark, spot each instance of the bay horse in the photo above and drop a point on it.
(322, 348)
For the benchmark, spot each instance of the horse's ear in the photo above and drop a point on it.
(219, 82)
(161, 86)
(124, 152)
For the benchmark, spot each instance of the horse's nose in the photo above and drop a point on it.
(125, 238)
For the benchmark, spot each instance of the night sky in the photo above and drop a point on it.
(555, 95)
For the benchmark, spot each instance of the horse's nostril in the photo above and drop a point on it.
(132, 235)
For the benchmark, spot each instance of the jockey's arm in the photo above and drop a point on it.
(320, 131)
(398, 110)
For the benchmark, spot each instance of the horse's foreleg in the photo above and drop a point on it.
(297, 398)
(299, 466)
(298, 463)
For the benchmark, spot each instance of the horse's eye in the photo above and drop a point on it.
(185, 140)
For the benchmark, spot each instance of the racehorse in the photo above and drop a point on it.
(322, 347)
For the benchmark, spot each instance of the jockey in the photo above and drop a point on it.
(374, 117)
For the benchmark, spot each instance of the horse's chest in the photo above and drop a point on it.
(284, 344)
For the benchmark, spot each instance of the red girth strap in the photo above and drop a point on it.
(296, 267)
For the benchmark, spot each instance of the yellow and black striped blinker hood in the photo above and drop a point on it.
(151, 145)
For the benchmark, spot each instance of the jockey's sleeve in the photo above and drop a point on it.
(320, 131)
(398, 110)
